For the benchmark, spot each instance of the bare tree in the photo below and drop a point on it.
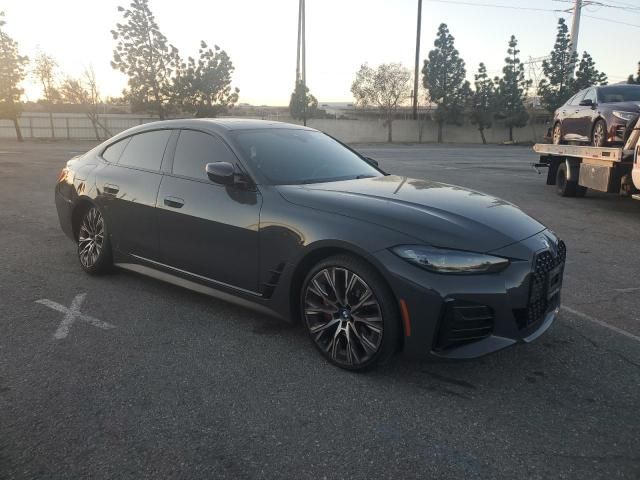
(46, 72)
(84, 91)
(12, 66)
(386, 87)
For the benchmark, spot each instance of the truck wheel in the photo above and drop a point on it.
(564, 187)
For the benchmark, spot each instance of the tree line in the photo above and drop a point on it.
(162, 82)
(159, 80)
(500, 98)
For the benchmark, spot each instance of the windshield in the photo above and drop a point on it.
(619, 94)
(291, 156)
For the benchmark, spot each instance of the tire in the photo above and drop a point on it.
(599, 134)
(556, 134)
(564, 187)
(350, 313)
(94, 247)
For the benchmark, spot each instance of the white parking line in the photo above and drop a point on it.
(601, 323)
(72, 314)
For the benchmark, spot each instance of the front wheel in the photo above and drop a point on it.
(557, 134)
(94, 249)
(350, 313)
(599, 134)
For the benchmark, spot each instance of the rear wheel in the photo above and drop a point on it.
(94, 248)
(350, 313)
(564, 187)
(599, 134)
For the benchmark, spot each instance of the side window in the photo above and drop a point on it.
(577, 99)
(113, 151)
(195, 149)
(591, 95)
(145, 150)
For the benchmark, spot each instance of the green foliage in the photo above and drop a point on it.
(385, 87)
(143, 54)
(302, 104)
(557, 87)
(483, 101)
(12, 72)
(444, 77)
(587, 75)
(512, 90)
(637, 79)
(203, 87)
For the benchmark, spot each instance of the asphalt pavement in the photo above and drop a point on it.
(125, 377)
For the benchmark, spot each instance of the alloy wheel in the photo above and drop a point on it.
(557, 132)
(599, 135)
(91, 237)
(343, 316)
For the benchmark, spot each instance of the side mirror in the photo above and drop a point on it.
(221, 172)
(587, 103)
(372, 161)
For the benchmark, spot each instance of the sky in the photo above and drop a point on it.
(260, 37)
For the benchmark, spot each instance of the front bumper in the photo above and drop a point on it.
(619, 130)
(467, 316)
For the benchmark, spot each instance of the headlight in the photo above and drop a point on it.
(441, 260)
(626, 116)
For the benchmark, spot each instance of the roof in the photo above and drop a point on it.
(223, 124)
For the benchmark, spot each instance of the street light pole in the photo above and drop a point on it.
(417, 65)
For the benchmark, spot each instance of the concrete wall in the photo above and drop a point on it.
(78, 126)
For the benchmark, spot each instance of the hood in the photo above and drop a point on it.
(437, 214)
(625, 106)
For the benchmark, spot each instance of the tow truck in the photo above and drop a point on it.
(574, 168)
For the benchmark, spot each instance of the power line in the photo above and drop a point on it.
(612, 21)
(493, 5)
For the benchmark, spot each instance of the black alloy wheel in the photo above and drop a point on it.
(350, 313)
(94, 250)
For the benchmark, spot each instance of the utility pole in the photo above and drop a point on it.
(298, 52)
(575, 27)
(304, 64)
(417, 66)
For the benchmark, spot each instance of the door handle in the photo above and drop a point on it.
(173, 202)
(111, 189)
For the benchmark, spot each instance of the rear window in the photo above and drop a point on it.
(145, 150)
(619, 94)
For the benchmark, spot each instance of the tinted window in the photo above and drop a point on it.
(577, 99)
(195, 149)
(145, 150)
(591, 95)
(113, 151)
(619, 94)
(283, 156)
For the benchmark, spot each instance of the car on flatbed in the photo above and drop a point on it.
(599, 116)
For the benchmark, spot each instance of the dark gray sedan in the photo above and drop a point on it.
(287, 220)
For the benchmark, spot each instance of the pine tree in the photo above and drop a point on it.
(302, 105)
(637, 79)
(12, 66)
(203, 87)
(557, 88)
(143, 53)
(512, 90)
(587, 75)
(483, 101)
(444, 77)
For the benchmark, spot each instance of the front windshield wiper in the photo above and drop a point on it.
(308, 181)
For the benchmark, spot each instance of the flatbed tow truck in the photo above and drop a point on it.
(573, 168)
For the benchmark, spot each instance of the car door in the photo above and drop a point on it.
(570, 125)
(128, 188)
(206, 229)
(585, 115)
